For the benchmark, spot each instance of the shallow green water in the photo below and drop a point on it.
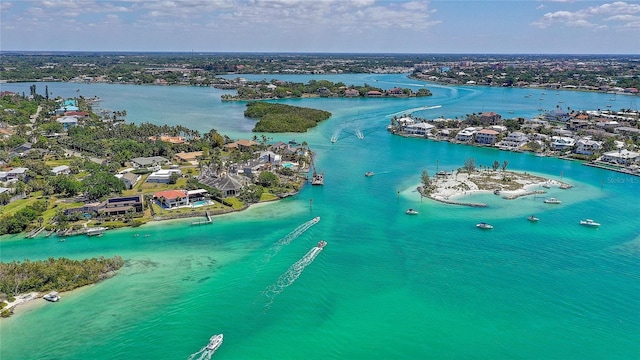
(387, 285)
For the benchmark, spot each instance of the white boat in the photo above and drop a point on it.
(369, 173)
(532, 218)
(589, 222)
(552, 201)
(484, 225)
(412, 212)
(322, 244)
(52, 296)
(96, 231)
(214, 342)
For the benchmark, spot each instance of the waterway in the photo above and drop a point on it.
(387, 285)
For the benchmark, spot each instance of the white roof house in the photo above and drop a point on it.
(418, 129)
(622, 157)
(62, 169)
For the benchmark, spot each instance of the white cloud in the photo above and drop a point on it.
(590, 16)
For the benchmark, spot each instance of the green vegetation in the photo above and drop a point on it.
(284, 118)
(53, 274)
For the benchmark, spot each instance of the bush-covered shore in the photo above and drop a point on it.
(276, 118)
(60, 274)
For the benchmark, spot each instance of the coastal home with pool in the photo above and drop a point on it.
(169, 199)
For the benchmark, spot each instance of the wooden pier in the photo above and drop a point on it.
(204, 222)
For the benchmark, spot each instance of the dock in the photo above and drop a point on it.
(33, 233)
(515, 196)
(204, 222)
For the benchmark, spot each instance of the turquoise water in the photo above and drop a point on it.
(387, 285)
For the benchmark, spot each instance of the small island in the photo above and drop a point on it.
(446, 186)
(278, 118)
(24, 281)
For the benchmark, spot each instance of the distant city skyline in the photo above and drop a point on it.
(329, 26)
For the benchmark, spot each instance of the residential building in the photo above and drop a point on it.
(419, 129)
(162, 176)
(129, 179)
(561, 143)
(18, 173)
(152, 163)
(515, 140)
(190, 157)
(122, 205)
(491, 118)
(486, 136)
(68, 121)
(171, 198)
(621, 157)
(466, 135)
(588, 146)
(62, 169)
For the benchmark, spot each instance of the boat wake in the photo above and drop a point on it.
(202, 354)
(335, 136)
(291, 275)
(412, 110)
(359, 134)
(275, 248)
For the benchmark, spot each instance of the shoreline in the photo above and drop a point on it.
(450, 187)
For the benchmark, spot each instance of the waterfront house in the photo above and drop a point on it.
(122, 205)
(514, 140)
(419, 129)
(466, 134)
(242, 145)
(374, 93)
(62, 169)
(486, 136)
(197, 195)
(621, 157)
(163, 176)
(171, 198)
(561, 143)
(587, 146)
(351, 93)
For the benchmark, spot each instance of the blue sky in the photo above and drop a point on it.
(354, 26)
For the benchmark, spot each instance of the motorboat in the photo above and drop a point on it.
(532, 218)
(52, 296)
(589, 222)
(322, 244)
(484, 225)
(369, 173)
(214, 342)
(496, 192)
(552, 201)
(412, 212)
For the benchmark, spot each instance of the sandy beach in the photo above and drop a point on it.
(510, 185)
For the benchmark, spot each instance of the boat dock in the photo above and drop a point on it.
(515, 196)
(204, 222)
(33, 233)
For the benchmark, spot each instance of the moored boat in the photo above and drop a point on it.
(52, 296)
(412, 212)
(552, 201)
(484, 225)
(214, 342)
(589, 222)
(369, 173)
(532, 218)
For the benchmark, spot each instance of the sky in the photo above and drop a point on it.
(323, 26)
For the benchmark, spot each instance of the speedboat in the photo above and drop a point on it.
(412, 212)
(484, 225)
(496, 192)
(322, 244)
(52, 296)
(214, 342)
(369, 173)
(532, 218)
(589, 222)
(552, 201)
